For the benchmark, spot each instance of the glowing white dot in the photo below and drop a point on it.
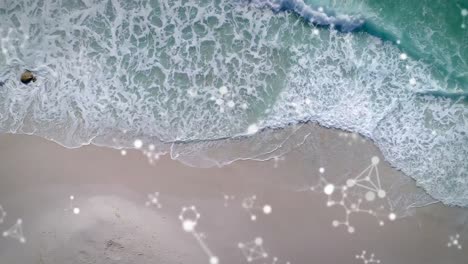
(329, 189)
(214, 260)
(231, 104)
(267, 209)
(76, 210)
(320, 9)
(412, 81)
(370, 196)
(464, 12)
(138, 144)
(244, 106)
(403, 56)
(152, 147)
(123, 152)
(381, 193)
(252, 129)
(351, 229)
(335, 223)
(398, 42)
(351, 182)
(223, 90)
(253, 217)
(258, 241)
(392, 216)
(321, 170)
(315, 31)
(72, 197)
(189, 225)
(375, 160)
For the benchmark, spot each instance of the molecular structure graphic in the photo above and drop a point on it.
(150, 151)
(248, 204)
(275, 261)
(253, 250)
(16, 231)
(75, 210)
(464, 13)
(228, 198)
(189, 217)
(342, 196)
(455, 242)
(153, 199)
(2, 215)
(367, 259)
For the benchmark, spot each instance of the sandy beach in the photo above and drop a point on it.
(267, 206)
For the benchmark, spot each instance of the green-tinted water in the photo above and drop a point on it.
(435, 31)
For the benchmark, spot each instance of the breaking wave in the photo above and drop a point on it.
(176, 71)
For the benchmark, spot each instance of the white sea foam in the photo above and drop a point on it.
(110, 72)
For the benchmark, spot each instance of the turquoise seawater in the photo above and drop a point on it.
(167, 71)
(433, 31)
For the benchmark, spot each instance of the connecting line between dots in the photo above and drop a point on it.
(189, 217)
(368, 179)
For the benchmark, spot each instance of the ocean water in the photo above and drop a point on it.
(187, 76)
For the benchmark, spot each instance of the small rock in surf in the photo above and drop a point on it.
(27, 77)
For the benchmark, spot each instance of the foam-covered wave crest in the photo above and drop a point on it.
(183, 71)
(342, 22)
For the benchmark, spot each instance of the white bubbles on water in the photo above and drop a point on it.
(403, 56)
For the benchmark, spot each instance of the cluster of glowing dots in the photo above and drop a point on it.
(364, 181)
(455, 242)
(153, 199)
(253, 250)
(189, 217)
(249, 205)
(75, 210)
(225, 99)
(367, 260)
(464, 13)
(354, 137)
(228, 198)
(16, 232)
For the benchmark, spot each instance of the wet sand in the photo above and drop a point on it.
(114, 225)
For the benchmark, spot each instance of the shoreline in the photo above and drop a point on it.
(114, 224)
